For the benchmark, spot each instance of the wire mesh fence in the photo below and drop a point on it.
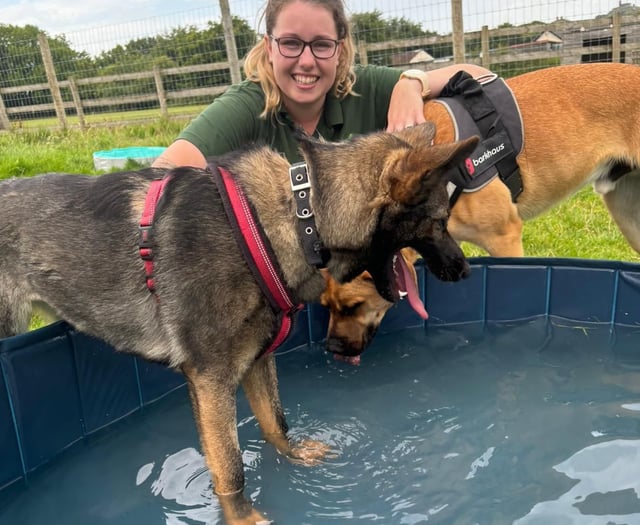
(174, 64)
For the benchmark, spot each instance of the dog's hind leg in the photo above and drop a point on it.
(621, 198)
(260, 385)
(15, 308)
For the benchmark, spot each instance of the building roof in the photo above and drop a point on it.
(416, 56)
(550, 37)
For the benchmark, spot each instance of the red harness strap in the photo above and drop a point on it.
(258, 254)
(250, 238)
(156, 189)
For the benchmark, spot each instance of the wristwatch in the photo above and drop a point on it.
(420, 75)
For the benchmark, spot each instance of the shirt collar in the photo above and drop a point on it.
(333, 111)
(332, 117)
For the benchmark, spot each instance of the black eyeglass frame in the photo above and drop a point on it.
(305, 44)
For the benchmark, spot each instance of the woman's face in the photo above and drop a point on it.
(304, 80)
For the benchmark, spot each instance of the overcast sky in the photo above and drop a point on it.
(92, 25)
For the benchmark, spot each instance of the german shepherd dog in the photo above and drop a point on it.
(580, 126)
(71, 242)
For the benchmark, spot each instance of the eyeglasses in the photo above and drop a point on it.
(291, 47)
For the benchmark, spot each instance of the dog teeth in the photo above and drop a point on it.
(393, 264)
(403, 294)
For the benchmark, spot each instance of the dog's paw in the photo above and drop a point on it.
(238, 510)
(251, 521)
(310, 452)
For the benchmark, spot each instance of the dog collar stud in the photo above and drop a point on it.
(314, 250)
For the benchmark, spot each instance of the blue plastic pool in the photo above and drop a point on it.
(117, 158)
(517, 402)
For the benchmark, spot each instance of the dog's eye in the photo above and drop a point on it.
(352, 309)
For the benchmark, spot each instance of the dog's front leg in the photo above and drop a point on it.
(489, 219)
(213, 398)
(260, 385)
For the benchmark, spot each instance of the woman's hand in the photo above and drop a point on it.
(405, 105)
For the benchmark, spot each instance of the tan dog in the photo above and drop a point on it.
(357, 309)
(581, 125)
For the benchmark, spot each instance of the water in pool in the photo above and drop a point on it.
(529, 424)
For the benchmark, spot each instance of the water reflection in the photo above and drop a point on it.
(183, 480)
(607, 489)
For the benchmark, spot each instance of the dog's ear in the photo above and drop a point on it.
(408, 175)
(420, 135)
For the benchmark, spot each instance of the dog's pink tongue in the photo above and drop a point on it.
(351, 359)
(408, 285)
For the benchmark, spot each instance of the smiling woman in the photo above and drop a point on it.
(303, 76)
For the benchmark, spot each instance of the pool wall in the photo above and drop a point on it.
(58, 387)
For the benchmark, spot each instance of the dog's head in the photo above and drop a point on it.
(381, 192)
(415, 212)
(356, 309)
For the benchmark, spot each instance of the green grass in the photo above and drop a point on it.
(101, 119)
(28, 152)
(579, 227)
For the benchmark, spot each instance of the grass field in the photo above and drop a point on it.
(580, 227)
(101, 119)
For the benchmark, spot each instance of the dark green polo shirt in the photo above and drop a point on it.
(232, 120)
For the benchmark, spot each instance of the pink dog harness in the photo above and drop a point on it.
(251, 239)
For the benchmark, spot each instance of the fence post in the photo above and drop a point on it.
(616, 42)
(458, 31)
(4, 117)
(362, 51)
(77, 102)
(162, 97)
(484, 46)
(230, 42)
(51, 78)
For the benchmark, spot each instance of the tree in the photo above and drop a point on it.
(371, 28)
(182, 46)
(21, 63)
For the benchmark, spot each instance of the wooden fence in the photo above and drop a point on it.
(621, 45)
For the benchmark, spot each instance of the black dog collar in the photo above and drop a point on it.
(314, 250)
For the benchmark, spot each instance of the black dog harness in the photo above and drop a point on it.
(251, 239)
(484, 107)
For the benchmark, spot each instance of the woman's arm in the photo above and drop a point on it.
(180, 153)
(406, 104)
(228, 123)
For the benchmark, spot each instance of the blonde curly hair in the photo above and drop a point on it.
(258, 69)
